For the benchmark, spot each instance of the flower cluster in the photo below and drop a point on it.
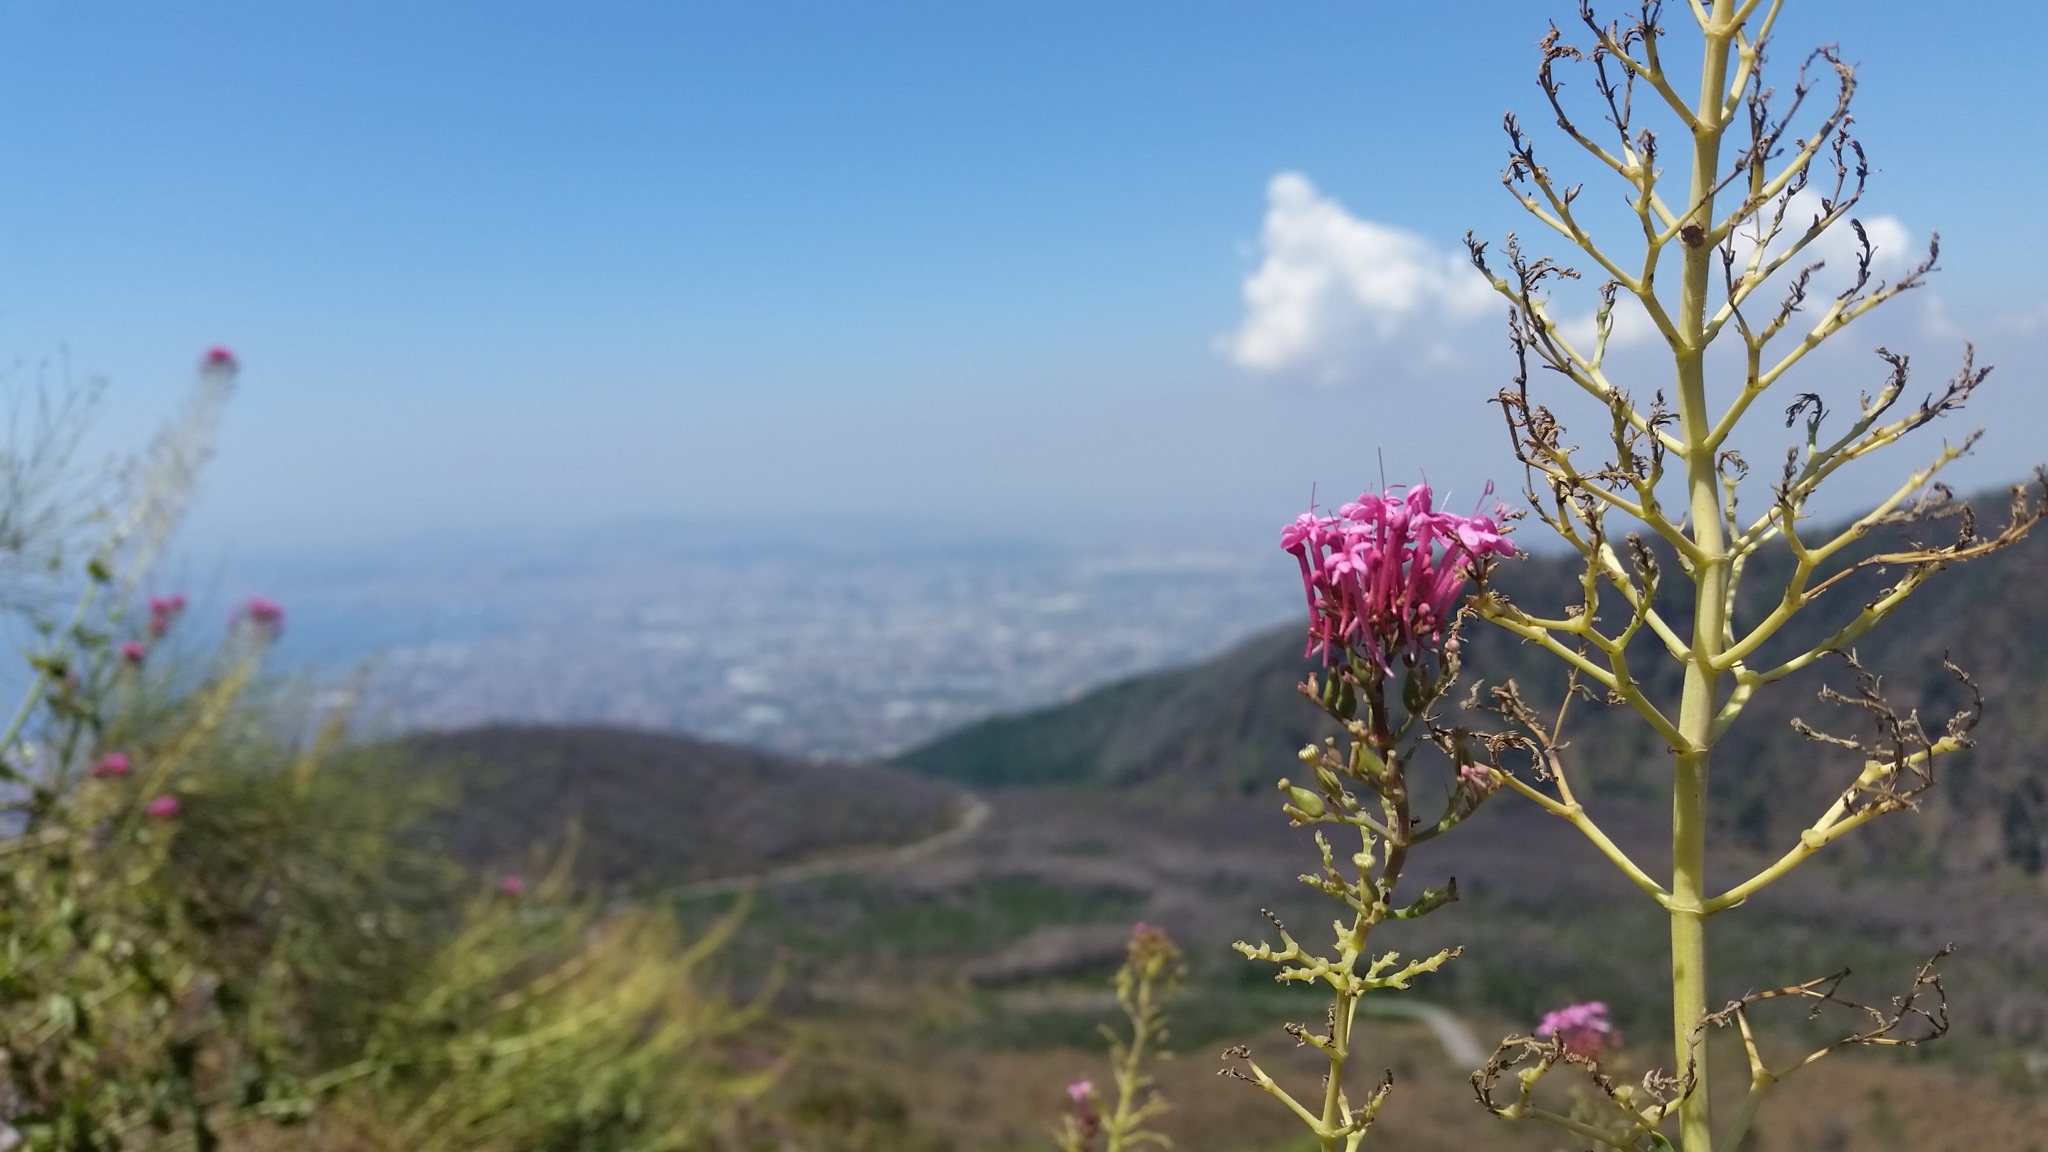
(117, 766)
(1150, 950)
(1584, 1028)
(1476, 782)
(1383, 575)
(164, 611)
(263, 614)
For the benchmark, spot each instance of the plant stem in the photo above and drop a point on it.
(1129, 1073)
(1699, 703)
(1340, 1055)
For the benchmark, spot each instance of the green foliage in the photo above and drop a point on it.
(217, 934)
(855, 1115)
(545, 1023)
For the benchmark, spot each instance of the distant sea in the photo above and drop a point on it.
(826, 639)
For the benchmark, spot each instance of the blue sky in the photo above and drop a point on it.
(536, 266)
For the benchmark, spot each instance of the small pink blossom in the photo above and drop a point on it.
(132, 651)
(1383, 575)
(164, 808)
(1150, 950)
(112, 764)
(1584, 1028)
(512, 885)
(163, 610)
(1080, 1090)
(1477, 781)
(264, 613)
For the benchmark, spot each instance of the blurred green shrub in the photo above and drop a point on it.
(220, 930)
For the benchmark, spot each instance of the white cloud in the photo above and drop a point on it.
(1335, 292)
(1336, 297)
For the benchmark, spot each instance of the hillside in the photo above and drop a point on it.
(658, 809)
(1232, 723)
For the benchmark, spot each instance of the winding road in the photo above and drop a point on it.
(1458, 1041)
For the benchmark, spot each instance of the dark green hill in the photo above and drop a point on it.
(1231, 724)
(1219, 721)
(657, 808)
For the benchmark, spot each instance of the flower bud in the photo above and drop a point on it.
(1310, 804)
(1476, 782)
(1328, 781)
(1366, 762)
(1411, 691)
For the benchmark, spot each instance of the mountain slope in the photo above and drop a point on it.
(657, 809)
(1218, 721)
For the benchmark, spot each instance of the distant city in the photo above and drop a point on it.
(835, 644)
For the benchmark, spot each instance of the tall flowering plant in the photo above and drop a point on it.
(1760, 176)
(1151, 976)
(1384, 578)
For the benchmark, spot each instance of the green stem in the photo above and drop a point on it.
(1758, 1085)
(1699, 704)
(1340, 1055)
(1128, 1073)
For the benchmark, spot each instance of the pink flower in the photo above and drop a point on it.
(264, 613)
(164, 808)
(132, 651)
(219, 358)
(1476, 782)
(512, 885)
(1080, 1090)
(1383, 576)
(1584, 1028)
(1150, 949)
(163, 610)
(112, 764)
